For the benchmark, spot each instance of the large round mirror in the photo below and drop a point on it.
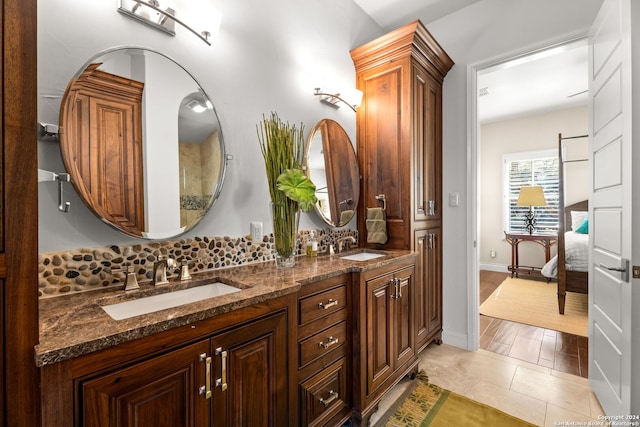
(332, 165)
(142, 143)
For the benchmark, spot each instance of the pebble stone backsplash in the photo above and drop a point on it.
(61, 273)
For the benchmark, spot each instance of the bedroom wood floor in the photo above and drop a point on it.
(544, 347)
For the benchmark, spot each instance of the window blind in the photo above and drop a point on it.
(533, 171)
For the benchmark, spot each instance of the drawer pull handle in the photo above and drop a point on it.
(331, 303)
(332, 396)
(206, 388)
(331, 341)
(222, 381)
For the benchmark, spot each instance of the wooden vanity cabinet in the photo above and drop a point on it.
(237, 375)
(324, 352)
(428, 317)
(399, 139)
(159, 391)
(384, 337)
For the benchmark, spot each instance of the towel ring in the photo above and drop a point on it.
(382, 197)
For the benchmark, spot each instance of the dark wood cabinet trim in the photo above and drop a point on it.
(19, 212)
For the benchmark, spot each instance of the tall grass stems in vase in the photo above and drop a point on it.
(282, 147)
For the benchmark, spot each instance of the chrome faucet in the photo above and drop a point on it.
(160, 267)
(345, 240)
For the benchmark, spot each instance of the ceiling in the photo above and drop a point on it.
(541, 82)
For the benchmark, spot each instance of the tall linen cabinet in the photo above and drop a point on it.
(399, 141)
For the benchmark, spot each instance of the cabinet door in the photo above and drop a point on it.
(427, 113)
(250, 374)
(384, 147)
(428, 286)
(390, 331)
(379, 330)
(163, 391)
(403, 328)
(106, 146)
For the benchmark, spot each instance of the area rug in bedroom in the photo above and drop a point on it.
(535, 303)
(425, 404)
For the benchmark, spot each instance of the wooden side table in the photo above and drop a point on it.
(544, 240)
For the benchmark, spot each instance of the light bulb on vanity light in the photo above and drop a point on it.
(201, 20)
(350, 97)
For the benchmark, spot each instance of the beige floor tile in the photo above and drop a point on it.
(462, 371)
(511, 402)
(556, 415)
(552, 389)
(596, 409)
(528, 391)
(518, 362)
(569, 377)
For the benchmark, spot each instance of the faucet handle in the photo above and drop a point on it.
(184, 270)
(130, 278)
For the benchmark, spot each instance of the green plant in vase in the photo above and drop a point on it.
(282, 147)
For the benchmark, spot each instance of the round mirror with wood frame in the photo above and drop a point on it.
(332, 165)
(142, 143)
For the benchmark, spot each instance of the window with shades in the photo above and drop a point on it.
(525, 169)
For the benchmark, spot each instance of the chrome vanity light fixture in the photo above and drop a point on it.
(352, 99)
(149, 12)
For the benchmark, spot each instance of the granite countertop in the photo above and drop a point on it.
(74, 324)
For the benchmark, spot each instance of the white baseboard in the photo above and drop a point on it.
(494, 267)
(456, 339)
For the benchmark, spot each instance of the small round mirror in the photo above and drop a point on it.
(142, 143)
(332, 165)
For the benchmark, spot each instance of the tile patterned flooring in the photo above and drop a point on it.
(545, 347)
(527, 387)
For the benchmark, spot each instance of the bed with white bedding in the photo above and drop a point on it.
(576, 255)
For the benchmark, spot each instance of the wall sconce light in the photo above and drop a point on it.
(149, 12)
(352, 98)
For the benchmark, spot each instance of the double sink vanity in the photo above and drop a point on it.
(316, 344)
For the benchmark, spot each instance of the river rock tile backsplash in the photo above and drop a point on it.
(60, 273)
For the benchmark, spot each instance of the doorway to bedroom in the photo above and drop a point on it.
(523, 105)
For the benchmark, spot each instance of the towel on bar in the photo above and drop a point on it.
(376, 225)
(375, 213)
(345, 216)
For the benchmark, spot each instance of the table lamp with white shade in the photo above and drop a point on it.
(531, 196)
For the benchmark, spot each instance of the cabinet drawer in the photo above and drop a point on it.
(316, 306)
(322, 343)
(325, 395)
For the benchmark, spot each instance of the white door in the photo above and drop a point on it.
(610, 213)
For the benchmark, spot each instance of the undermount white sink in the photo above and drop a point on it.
(362, 256)
(127, 309)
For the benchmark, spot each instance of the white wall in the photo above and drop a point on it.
(531, 133)
(485, 30)
(268, 56)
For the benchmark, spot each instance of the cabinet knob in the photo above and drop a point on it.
(331, 303)
(206, 388)
(431, 210)
(332, 396)
(331, 341)
(396, 288)
(222, 381)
